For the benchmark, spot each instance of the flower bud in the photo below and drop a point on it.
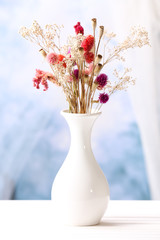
(98, 68)
(43, 53)
(101, 31)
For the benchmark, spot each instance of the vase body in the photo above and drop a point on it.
(80, 191)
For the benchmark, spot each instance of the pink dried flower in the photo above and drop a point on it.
(101, 80)
(44, 83)
(89, 69)
(41, 77)
(78, 28)
(69, 78)
(38, 78)
(52, 58)
(39, 73)
(103, 97)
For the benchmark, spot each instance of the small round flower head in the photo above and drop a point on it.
(89, 57)
(101, 80)
(88, 43)
(52, 58)
(103, 97)
(76, 73)
(78, 28)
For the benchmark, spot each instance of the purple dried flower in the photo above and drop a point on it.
(76, 73)
(101, 80)
(103, 97)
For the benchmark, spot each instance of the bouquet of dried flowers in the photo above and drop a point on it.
(77, 66)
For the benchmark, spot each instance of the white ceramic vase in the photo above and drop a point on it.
(80, 191)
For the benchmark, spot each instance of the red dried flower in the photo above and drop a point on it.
(60, 59)
(88, 43)
(89, 57)
(78, 28)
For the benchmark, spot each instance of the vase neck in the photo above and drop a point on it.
(80, 129)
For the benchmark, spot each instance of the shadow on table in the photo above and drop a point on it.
(123, 222)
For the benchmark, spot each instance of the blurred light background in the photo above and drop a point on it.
(34, 137)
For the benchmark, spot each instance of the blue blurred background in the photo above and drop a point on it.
(34, 137)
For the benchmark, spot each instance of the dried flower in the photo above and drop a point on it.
(81, 51)
(89, 57)
(89, 69)
(101, 80)
(78, 28)
(41, 77)
(98, 59)
(98, 68)
(52, 58)
(94, 23)
(101, 31)
(69, 78)
(61, 59)
(88, 43)
(76, 73)
(44, 54)
(103, 97)
(86, 77)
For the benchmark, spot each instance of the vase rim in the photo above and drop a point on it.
(66, 112)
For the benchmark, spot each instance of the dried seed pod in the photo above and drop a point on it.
(43, 53)
(94, 23)
(98, 59)
(86, 78)
(101, 31)
(94, 86)
(81, 51)
(98, 68)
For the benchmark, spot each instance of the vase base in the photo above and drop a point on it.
(80, 224)
(73, 218)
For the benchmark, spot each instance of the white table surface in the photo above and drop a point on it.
(27, 220)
